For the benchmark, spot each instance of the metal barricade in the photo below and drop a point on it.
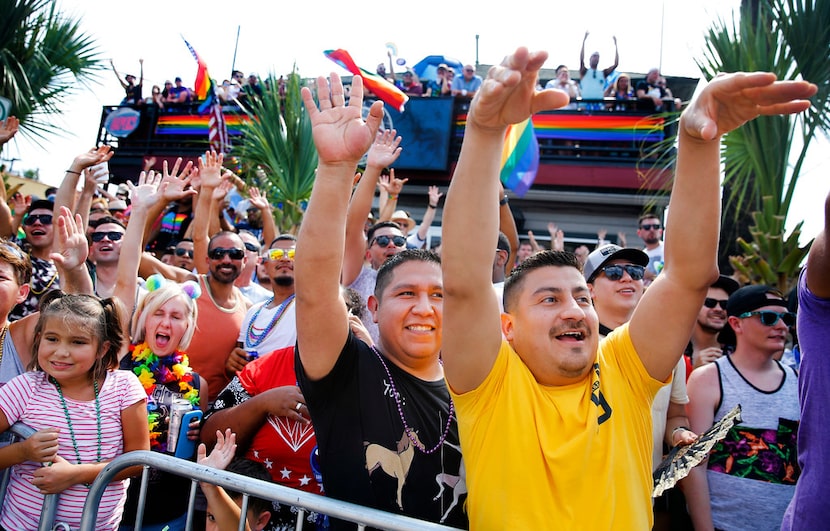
(358, 514)
(21, 431)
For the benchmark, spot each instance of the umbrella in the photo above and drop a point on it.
(427, 67)
(682, 459)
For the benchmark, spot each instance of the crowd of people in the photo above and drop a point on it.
(348, 360)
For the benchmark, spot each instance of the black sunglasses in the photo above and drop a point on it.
(770, 318)
(112, 236)
(219, 252)
(615, 272)
(252, 247)
(181, 252)
(647, 226)
(384, 240)
(45, 219)
(711, 303)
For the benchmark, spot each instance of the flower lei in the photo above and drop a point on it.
(150, 370)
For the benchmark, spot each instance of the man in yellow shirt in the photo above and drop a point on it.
(555, 426)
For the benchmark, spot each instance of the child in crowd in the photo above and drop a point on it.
(85, 414)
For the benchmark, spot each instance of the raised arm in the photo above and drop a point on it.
(470, 225)
(390, 188)
(210, 176)
(383, 153)
(582, 67)
(607, 72)
(70, 251)
(818, 262)
(65, 196)
(507, 225)
(123, 83)
(341, 137)
(691, 242)
(269, 226)
(429, 215)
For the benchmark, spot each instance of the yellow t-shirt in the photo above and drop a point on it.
(571, 457)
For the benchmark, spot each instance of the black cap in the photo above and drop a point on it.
(747, 299)
(727, 284)
(41, 204)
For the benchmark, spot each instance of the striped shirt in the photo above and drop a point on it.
(30, 398)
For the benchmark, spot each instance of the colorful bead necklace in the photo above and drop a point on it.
(69, 420)
(406, 427)
(254, 338)
(150, 370)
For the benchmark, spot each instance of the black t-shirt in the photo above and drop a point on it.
(364, 448)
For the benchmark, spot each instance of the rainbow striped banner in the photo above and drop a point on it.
(197, 124)
(596, 127)
(519, 158)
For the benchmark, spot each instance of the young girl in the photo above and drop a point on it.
(85, 414)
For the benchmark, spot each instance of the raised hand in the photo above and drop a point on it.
(391, 184)
(385, 149)
(730, 100)
(149, 191)
(8, 128)
(210, 169)
(92, 157)
(434, 195)
(71, 247)
(19, 203)
(174, 183)
(222, 453)
(257, 198)
(340, 133)
(509, 94)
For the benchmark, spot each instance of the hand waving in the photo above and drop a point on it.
(8, 128)
(70, 248)
(385, 150)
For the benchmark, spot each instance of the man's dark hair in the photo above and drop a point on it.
(219, 235)
(513, 282)
(647, 215)
(370, 235)
(503, 243)
(255, 470)
(104, 220)
(283, 238)
(41, 204)
(409, 255)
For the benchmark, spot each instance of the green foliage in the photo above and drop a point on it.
(278, 150)
(770, 258)
(44, 58)
(790, 38)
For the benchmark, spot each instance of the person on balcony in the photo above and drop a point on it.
(591, 79)
(563, 82)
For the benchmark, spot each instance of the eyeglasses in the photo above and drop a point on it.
(181, 252)
(220, 252)
(384, 240)
(281, 254)
(711, 303)
(45, 219)
(770, 318)
(111, 236)
(615, 272)
(647, 226)
(252, 247)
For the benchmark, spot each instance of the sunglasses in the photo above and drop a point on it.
(711, 303)
(220, 252)
(281, 254)
(647, 226)
(770, 318)
(383, 241)
(111, 236)
(615, 272)
(253, 247)
(181, 252)
(45, 219)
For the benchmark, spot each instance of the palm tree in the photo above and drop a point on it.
(278, 152)
(44, 57)
(790, 38)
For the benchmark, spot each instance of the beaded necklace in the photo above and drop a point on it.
(151, 369)
(254, 338)
(406, 427)
(69, 420)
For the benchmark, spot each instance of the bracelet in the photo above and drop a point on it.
(73, 171)
(503, 201)
(432, 206)
(677, 429)
(393, 197)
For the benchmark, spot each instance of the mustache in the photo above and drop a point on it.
(578, 326)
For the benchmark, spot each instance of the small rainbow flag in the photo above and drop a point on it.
(383, 89)
(519, 158)
(203, 82)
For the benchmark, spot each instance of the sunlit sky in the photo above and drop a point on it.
(272, 37)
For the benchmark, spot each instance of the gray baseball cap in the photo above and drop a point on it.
(602, 255)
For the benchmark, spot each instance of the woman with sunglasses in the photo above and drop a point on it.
(758, 457)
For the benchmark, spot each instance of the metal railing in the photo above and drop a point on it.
(358, 514)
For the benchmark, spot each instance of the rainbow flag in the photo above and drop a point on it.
(197, 124)
(383, 89)
(203, 84)
(519, 158)
(598, 127)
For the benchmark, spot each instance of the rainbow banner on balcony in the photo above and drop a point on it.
(598, 127)
(197, 124)
(519, 158)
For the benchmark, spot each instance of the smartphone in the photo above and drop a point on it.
(185, 448)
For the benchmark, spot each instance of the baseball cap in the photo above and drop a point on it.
(747, 299)
(727, 284)
(444, 66)
(178, 79)
(602, 255)
(117, 204)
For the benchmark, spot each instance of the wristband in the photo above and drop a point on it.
(503, 201)
(677, 429)
(393, 197)
(432, 206)
(73, 171)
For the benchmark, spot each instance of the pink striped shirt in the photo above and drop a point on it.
(30, 398)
